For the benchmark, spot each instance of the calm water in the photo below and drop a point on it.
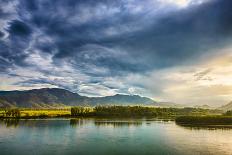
(111, 137)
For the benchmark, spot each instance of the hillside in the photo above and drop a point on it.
(55, 97)
(226, 107)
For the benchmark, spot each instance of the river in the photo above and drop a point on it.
(110, 137)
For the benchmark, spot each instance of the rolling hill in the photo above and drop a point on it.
(226, 107)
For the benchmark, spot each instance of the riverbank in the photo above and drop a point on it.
(204, 120)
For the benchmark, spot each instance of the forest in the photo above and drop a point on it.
(139, 111)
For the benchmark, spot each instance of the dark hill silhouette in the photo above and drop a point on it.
(55, 97)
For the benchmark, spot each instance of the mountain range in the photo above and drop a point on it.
(55, 97)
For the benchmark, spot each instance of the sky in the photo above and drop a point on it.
(169, 50)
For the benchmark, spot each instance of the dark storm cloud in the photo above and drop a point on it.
(1, 34)
(19, 28)
(108, 38)
(184, 35)
(179, 36)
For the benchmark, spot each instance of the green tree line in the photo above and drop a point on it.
(133, 111)
(12, 113)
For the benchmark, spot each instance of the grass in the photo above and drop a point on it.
(27, 113)
(51, 113)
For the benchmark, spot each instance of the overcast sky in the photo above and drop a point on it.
(169, 50)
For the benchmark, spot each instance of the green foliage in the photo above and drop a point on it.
(106, 111)
(228, 113)
(80, 111)
(34, 113)
(12, 113)
(124, 111)
(138, 111)
(148, 111)
(204, 120)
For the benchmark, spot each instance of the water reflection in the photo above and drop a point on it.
(118, 123)
(72, 122)
(77, 122)
(10, 122)
(31, 123)
(103, 122)
(205, 127)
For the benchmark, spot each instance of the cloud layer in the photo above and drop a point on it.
(105, 47)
